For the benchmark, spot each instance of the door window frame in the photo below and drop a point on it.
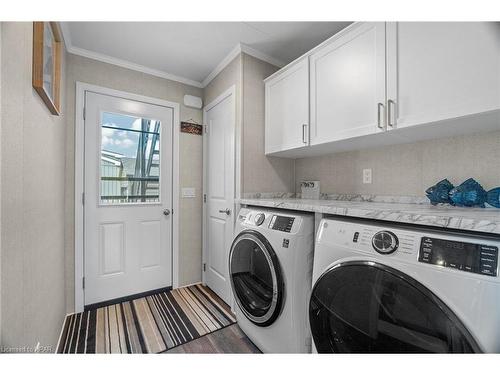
(100, 203)
(81, 89)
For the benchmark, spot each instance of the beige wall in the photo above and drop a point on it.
(111, 76)
(229, 76)
(259, 172)
(407, 169)
(32, 207)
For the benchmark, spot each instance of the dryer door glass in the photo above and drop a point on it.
(362, 307)
(256, 278)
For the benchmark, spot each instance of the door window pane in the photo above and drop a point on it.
(130, 159)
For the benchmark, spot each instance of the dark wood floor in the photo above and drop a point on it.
(226, 340)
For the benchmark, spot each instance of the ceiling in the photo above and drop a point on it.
(190, 51)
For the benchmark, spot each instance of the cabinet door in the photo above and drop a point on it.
(287, 109)
(441, 70)
(348, 85)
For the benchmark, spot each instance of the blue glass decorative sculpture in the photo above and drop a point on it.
(439, 193)
(493, 197)
(469, 194)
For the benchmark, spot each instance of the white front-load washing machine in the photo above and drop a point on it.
(382, 288)
(270, 268)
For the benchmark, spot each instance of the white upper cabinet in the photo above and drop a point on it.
(376, 83)
(348, 85)
(441, 70)
(287, 109)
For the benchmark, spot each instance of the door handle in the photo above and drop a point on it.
(166, 212)
(304, 135)
(390, 113)
(379, 120)
(227, 211)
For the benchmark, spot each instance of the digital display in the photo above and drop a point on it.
(282, 223)
(470, 257)
(453, 253)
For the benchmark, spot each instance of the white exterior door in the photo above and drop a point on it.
(219, 182)
(287, 109)
(128, 195)
(348, 85)
(441, 70)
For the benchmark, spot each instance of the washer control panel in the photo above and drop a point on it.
(281, 223)
(464, 256)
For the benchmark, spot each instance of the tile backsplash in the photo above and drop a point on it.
(406, 169)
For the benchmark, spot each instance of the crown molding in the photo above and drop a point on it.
(241, 48)
(238, 49)
(220, 66)
(261, 56)
(121, 63)
(129, 65)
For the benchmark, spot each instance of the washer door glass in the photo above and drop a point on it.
(256, 278)
(365, 307)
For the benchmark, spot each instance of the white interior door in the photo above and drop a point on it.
(128, 195)
(219, 167)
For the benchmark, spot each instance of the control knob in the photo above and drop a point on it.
(259, 219)
(385, 242)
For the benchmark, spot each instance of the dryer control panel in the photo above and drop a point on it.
(281, 223)
(464, 256)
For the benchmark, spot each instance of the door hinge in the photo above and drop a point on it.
(83, 282)
(204, 267)
(204, 198)
(205, 129)
(83, 198)
(84, 112)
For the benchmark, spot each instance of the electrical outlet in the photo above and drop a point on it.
(367, 176)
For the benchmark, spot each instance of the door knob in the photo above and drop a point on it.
(166, 212)
(227, 211)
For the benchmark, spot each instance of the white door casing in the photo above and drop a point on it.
(348, 85)
(219, 191)
(127, 246)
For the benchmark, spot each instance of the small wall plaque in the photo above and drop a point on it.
(191, 128)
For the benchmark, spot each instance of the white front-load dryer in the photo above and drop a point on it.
(388, 288)
(270, 268)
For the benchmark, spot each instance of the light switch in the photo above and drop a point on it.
(367, 176)
(188, 192)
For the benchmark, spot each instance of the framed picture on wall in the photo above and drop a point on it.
(47, 64)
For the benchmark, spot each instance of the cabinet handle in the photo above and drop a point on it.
(379, 120)
(390, 112)
(304, 134)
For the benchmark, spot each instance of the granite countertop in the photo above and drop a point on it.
(485, 220)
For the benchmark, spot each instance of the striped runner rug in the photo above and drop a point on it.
(150, 324)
